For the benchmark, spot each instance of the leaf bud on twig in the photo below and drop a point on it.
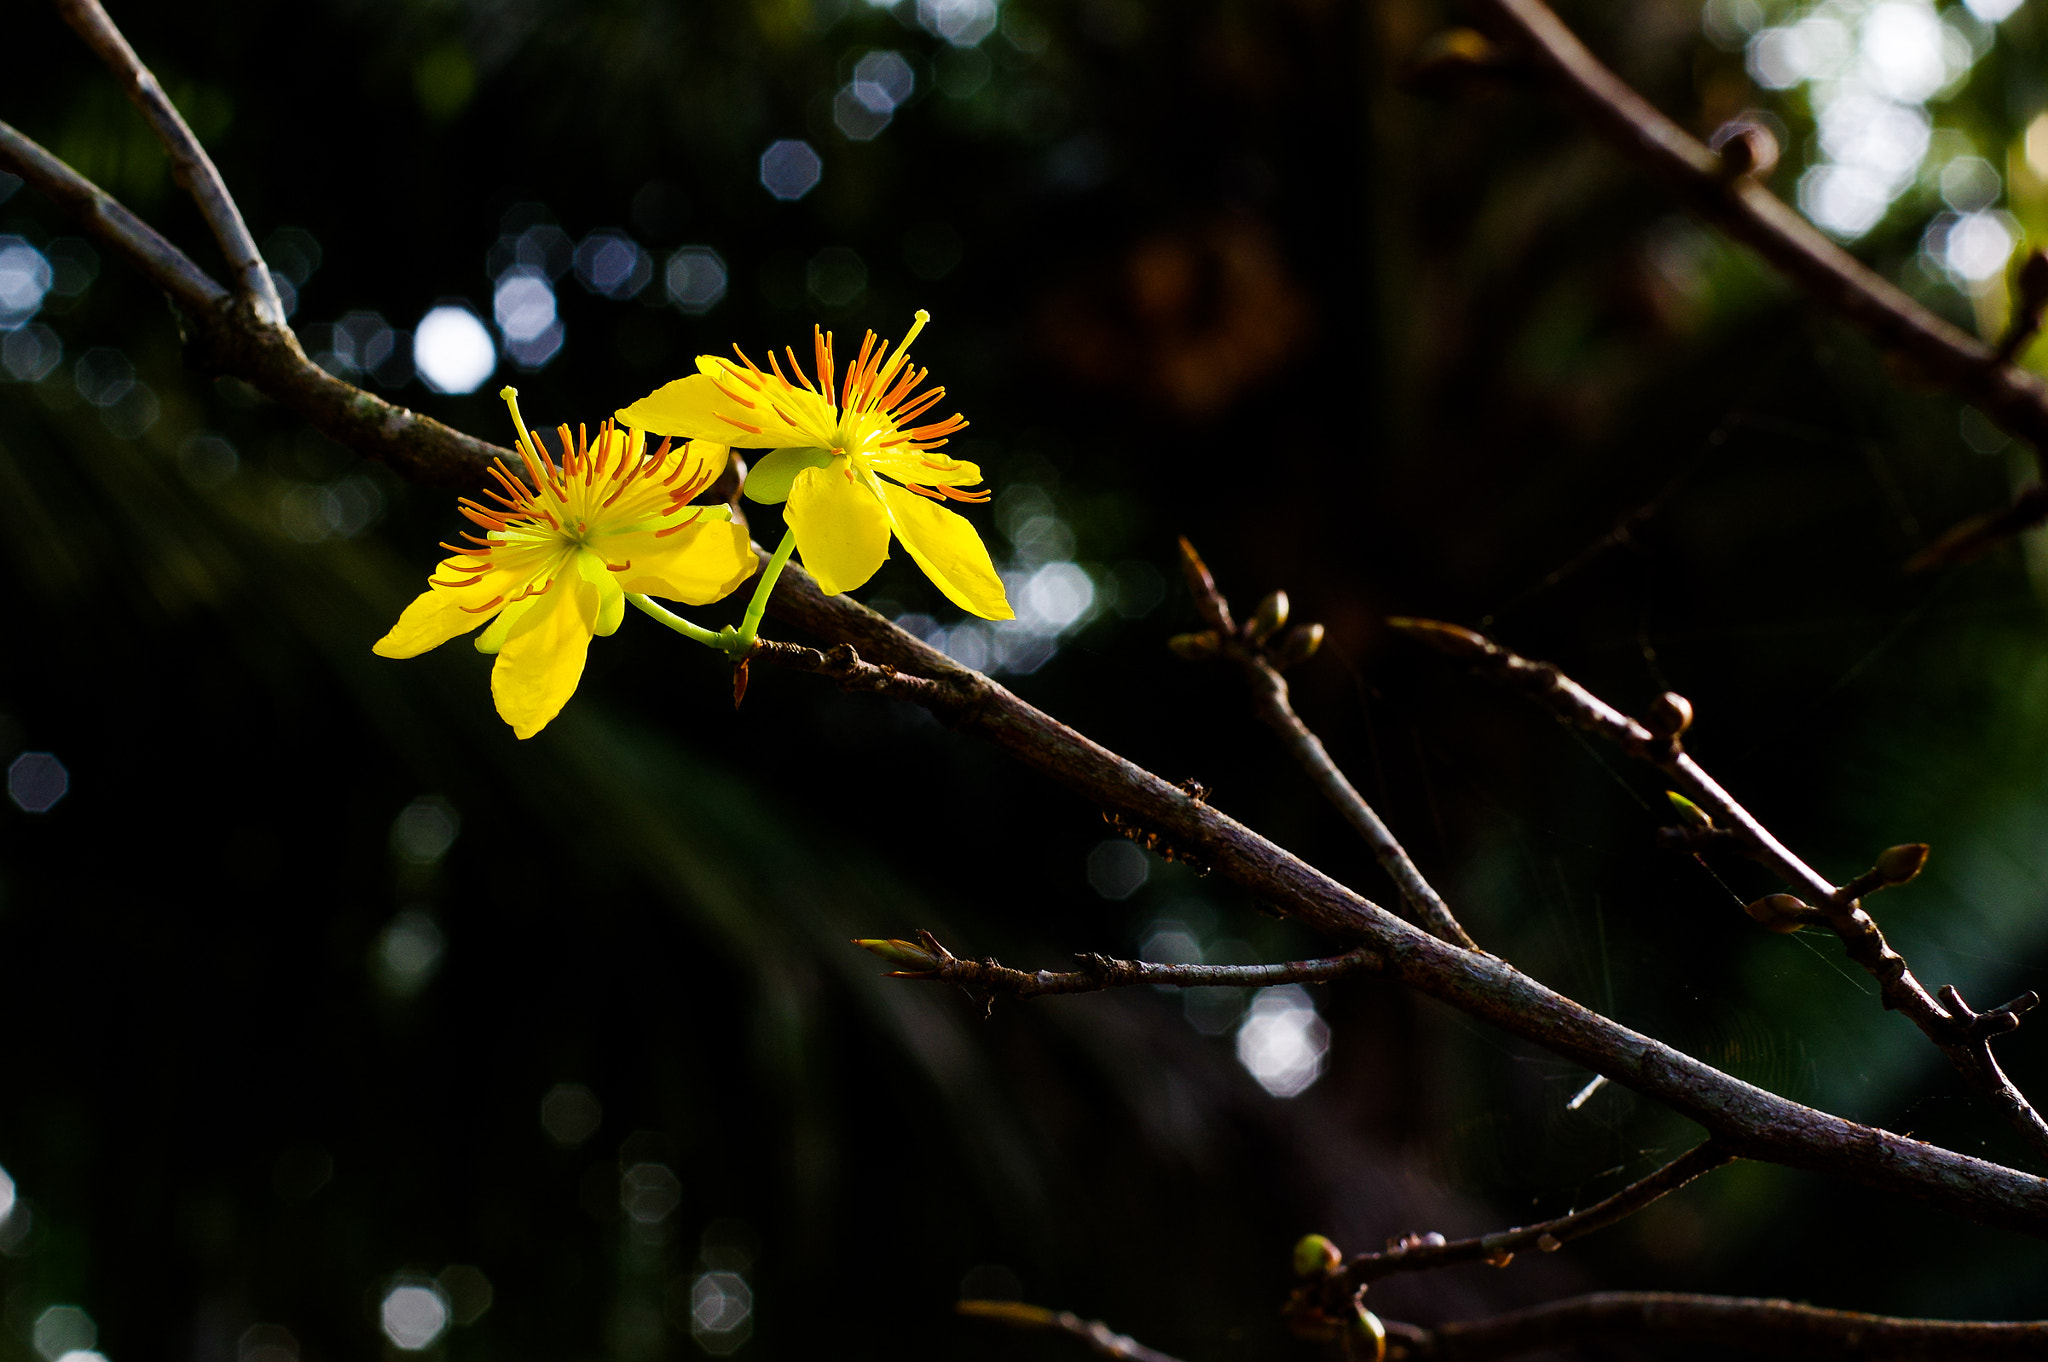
(1670, 715)
(1549, 1243)
(1195, 647)
(1315, 1254)
(1366, 1339)
(1779, 912)
(1271, 614)
(1445, 638)
(1297, 645)
(1689, 813)
(898, 952)
(1746, 147)
(1897, 865)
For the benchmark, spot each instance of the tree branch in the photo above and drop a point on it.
(1420, 1253)
(1746, 1121)
(927, 959)
(1737, 203)
(1246, 646)
(1961, 1035)
(163, 264)
(1100, 1338)
(1750, 1325)
(191, 166)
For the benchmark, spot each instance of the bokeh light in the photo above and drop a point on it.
(425, 829)
(1118, 869)
(570, 1114)
(25, 279)
(452, 350)
(649, 1192)
(36, 781)
(30, 353)
(695, 277)
(523, 305)
(408, 953)
(267, 1343)
(962, 23)
(790, 169)
(1282, 1042)
(721, 1312)
(62, 1329)
(414, 1315)
(612, 264)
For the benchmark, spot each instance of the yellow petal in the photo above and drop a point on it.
(701, 563)
(687, 407)
(933, 469)
(493, 638)
(946, 546)
(432, 619)
(543, 656)
(841, 529)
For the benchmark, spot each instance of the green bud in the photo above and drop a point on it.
(1445, 638)
(1779, 912)
(1689, 813)
(1315, 1254)
(1366, 1339)
(1297, 645)
(1271, 614)
(1901, 863)
(1195, 647)
(906, 953)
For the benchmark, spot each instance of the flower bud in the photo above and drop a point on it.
(1366, 1339)
(1901, 863)
(1670, 715)
(1549, 1243)
(1195, 647)
(1315, 1254)
(1689, 813)
(906, 953)
(1445, 638)
(1297, 645)
(1271, 614)
(1779, 912)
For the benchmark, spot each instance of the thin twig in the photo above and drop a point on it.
(1099, 972)
(113, 225)
(192, 167)
(1740, 205)
(1958, 1032)
(1271, 702)
(1750, 1325)
(1419, 1254)
(1747, 1121)
(1099, 1337)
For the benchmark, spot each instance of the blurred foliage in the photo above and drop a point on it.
(1215, 268)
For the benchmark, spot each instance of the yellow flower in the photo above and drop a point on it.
(558, 559)
(846, 458)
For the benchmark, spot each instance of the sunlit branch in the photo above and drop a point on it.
(1963, 1036)
(1717, 189)
(192, 167)
(1749, 1325)
(1099, 1337)
(112, 225)
(927, 959)
(1270, 700)
(1418, 1254)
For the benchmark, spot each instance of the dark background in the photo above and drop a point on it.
(273, 1045)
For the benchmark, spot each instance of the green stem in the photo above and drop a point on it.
(675, 621)
(750, 623)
